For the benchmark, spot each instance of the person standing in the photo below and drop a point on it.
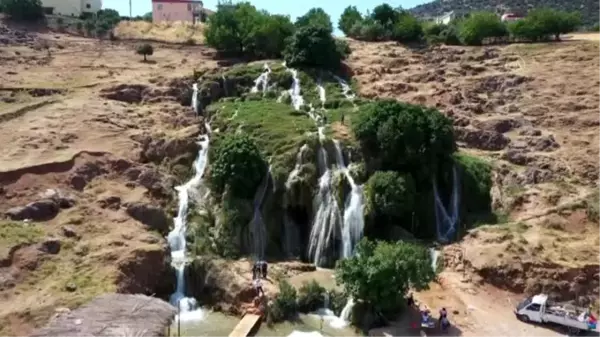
(264, 269)
(258, 287)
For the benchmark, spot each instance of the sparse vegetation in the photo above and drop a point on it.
(145, 49)
(284, 305)
(311, 296)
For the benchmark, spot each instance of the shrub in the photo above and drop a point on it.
(385, 15)
(315, 17)
(380, 273)
(25, 10)
(284, 305)
(237, 165)
(479, 26)
(546, 22)
(312, 46)
(242, 29)
(449, 36)
(311, 296)
(343, 48)
(390, 195)
(407, 28)
(369, 30)
(145, 49)
(404, 137)
(350, 17)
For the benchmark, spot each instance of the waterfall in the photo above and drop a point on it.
(262, 80)
(346, 90)
(195, 98)
(297, 99)
(434, 254)
(344, 319)
(257, 225)
(446, 223)
(188, 306)
(224, 85)
(321, 93)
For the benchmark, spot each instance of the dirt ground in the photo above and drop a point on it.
(72, 125)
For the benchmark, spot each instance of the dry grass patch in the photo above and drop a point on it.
(179, 32)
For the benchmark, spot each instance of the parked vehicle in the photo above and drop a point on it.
(538, 309)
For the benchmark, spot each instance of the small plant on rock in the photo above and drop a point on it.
(145, 49)
(311, 296)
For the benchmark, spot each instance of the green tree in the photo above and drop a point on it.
(348, 19)
(404, 137)
(380, 273)
(237, 165)
(312, 46)
(242, 29)
(315, 17)
(385, 15)
(480, 25)
(24, 10)
(147, 17)
(390, 194)
(549, 21)
(407, 28)
(145, 49)
(369, 30)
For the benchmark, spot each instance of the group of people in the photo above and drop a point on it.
(426, 314)
(259, 269)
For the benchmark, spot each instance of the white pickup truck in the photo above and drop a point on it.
(538, 309)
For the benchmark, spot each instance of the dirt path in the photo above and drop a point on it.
(472, 311)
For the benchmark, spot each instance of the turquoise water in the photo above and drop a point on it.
(219, 324)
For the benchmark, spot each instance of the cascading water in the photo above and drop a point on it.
(262, 80)
(188, 306)
(434, 254)
(297, 99)
(195, 98)
(446, 223)
(352, 229)
(257, 225)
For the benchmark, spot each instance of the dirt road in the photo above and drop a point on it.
(473, 311)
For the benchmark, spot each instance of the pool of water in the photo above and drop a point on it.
(219, 324)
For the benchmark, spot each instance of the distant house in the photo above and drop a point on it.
(71, 7)
(179, 10)
(444, 18)
(510, 17)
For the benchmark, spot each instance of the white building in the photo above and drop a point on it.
(71, 7)
(444, 18)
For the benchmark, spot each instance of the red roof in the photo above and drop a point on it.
(176, 0)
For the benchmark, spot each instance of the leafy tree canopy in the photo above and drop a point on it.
(315, 17)
(313, 46)
(240, 28)
(404, 137)
(25, 10)
(407, 28)
(385, 15)
(145, 49)
(481, 25)
(381, 273)
(237, 165)
(349, 18)
(390, 194)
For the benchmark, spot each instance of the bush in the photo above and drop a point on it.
(404, 137)
(315, 17)
(407, 28)
(24, 10)
(312, 46)
(449, 36)
(544, 22)
(380, 273)
(242, 29)
(479, 26)
(369, 30)
(350, 17)
(145, 49)
(385, 15)
(390, 195)
(595, 28)
(476, 176)
(284, 305)
(311, 296)
(237, 165)
(343, 48)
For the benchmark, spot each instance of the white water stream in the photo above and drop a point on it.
(188, 306)
(257, 225)
(446, 223)
(263, 80)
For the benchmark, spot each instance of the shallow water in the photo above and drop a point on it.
(219, 324)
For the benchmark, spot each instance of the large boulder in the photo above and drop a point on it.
(41, 210)
(146, 270)
(152, 216)
(481, 139)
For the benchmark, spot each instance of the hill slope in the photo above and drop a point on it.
(588, 8)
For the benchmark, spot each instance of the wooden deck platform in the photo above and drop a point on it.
(245, 326)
